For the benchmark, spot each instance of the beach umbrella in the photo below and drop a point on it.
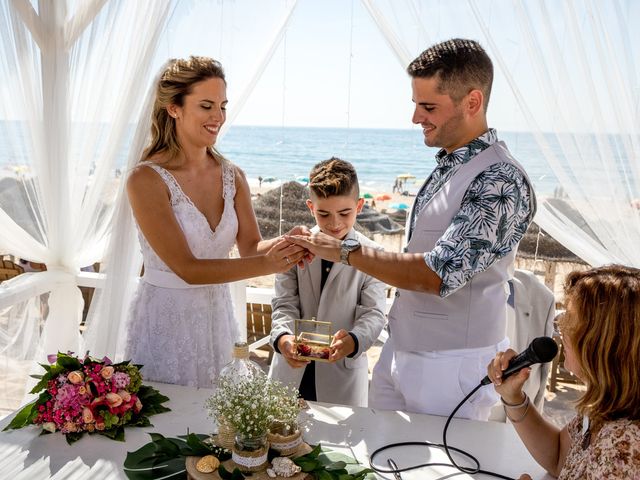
(383, 197)
(302, 179)
(406, 176)
(399, 206)
(366, 195)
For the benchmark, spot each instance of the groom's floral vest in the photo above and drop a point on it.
(473, 316)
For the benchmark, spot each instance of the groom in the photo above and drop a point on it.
(449, 316)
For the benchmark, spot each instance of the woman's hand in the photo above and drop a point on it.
(341, 346)
(283, 256)
(511, 389)
(287, 347)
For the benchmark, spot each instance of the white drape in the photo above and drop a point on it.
(584, 58)
(106, 321)
(599, 170)
(73, 75)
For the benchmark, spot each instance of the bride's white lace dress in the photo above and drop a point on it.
(185, 335)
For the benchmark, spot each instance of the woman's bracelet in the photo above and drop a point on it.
(525, 403)
(516, 405)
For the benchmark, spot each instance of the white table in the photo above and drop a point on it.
(24, 455)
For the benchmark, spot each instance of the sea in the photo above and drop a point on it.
(379, 155)
(282, 154)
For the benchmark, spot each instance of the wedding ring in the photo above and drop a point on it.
(287, 259)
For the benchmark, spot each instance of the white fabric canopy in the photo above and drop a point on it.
(583, 109)
(73, 76)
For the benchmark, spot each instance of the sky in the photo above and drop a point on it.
(334, 67)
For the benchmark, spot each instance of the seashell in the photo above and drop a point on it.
(271, 473)
(207, 464)
(284, 467)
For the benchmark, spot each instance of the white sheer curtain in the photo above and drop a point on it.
(73, 75)
(572, 67)
(589, 80)
(106, 321)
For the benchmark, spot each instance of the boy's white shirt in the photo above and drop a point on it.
(351, 300)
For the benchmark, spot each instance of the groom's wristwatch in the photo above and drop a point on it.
(347, 246)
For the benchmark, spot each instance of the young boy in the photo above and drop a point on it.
(353, 301)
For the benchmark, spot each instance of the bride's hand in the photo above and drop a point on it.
(283, 256)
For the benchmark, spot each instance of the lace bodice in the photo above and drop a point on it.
(204, 242)
(184, 334)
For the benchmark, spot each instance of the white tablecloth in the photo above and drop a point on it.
(24, 455)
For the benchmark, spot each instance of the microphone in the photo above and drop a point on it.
(540, 350)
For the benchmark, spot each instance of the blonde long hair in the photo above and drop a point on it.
(176, 82)
(603, 326)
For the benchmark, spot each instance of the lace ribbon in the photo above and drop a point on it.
(249, 462)
(286, 445)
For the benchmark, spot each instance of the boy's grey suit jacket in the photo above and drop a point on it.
(351, 300)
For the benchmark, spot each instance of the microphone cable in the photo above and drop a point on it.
(447, 449)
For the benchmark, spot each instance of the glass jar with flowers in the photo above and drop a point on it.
(239, 369)
(247, 405)
(284, 433)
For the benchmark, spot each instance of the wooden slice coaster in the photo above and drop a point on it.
(194, 474)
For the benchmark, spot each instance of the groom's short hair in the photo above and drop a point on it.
(461, 65)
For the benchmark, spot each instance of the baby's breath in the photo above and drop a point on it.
(250, 406)
(286, 406)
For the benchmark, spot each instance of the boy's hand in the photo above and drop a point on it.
(287, 347)
(341, 346)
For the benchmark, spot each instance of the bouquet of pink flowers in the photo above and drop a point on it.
(90, 396)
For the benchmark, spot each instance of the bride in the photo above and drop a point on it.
(191, 205)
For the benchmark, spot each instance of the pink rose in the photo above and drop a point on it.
(126, 396)
(75, 377)
(97, 400)
(82, 390)
(49, 427)
(87, 415)
(107, 372)
(114, 400)
(138, 405)
(100, 425)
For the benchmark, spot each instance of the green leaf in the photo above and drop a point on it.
(226, 475)
(196, 446)
(73, 437)
(336, 466)
(140, 421)
(114, 433)
(315, 452)
(237, 474)
(308, 465)
(152, 401)
(41, 385)
(68, 362)
(23, 417)
(324, 475)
